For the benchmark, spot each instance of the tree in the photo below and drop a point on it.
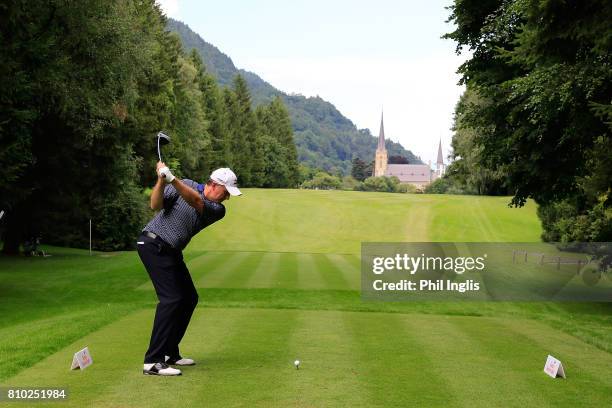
(284, 136)
(215, 116)
(306, 173)
(466, 174)
(281, 164)
(77, 65)
(245, 148)
(369, 170)
(359, 169)
(398, 160)
(191, 143)
(544, 69)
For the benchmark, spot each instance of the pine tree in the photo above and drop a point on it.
(215, 115)
(284, 136)
(246, 149)
(276, 172)
(358, 170)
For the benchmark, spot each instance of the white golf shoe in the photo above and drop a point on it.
(180, 362)
(160, 369)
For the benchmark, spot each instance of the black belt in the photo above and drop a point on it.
(157, 238)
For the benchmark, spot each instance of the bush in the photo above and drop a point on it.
(323, 181)
(407, 188)
(349, 183)
(439, 186)
(119, 220)
(447, 185)
(383, 184)
(562, 222)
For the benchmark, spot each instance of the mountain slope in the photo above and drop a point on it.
(323, 136)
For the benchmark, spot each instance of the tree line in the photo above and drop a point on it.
(536, 118)
(86, 87)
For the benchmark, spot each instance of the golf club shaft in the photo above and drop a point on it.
(159, 154)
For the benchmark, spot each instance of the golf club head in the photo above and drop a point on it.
(164, 139)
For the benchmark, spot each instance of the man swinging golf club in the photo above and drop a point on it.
(185, 208)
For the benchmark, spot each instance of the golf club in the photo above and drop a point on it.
(162, 139)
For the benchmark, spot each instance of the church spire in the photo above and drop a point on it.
(440, 159)
(381, 134)
(380, 159)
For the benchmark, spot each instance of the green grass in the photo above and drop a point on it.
(337, 222)
(279, 280)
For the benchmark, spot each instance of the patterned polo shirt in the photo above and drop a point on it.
(178, 222)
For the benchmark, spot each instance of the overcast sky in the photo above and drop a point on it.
(362, 56)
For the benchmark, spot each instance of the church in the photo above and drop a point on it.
(419, 175)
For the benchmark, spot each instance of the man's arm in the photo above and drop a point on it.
(191, 196)
(157, 195)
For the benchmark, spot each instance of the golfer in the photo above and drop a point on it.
(185, 208)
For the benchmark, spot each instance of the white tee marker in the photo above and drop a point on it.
(553, 367)
(81, 359)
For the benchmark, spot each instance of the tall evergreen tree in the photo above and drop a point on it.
(275, 168)
(284, 136)
(215, 115)
(358, 170)
(245, 148)
(155, 108)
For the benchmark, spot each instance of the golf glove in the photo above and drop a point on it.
(167, 174)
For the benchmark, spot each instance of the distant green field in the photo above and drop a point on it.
(338, 221)
(279, 280)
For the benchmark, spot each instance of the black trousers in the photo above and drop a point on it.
(176, 294)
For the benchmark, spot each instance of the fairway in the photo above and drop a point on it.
(279, 280)
(322, 221)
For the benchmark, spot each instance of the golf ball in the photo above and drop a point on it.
(296, 363)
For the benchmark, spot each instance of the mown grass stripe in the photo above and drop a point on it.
(327, 374)
(485, 216)
(419, 222)
(391, 365)
(479, 219)
(242, 273)
(197, 267)
(330, 273)
(202, 265)
(308, 277)
(473, 365)
(204, 341)
(348, 269)
(501, 353)
(213, 273)
(253, 362)
(583, 362)
(117, 351)
(263, 274)
(286, 275)
(41, 337)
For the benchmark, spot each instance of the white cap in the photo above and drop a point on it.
(227, 178)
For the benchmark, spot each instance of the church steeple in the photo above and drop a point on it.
(380, 161)
(440, 167)
(440, 159)
(381, 134)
